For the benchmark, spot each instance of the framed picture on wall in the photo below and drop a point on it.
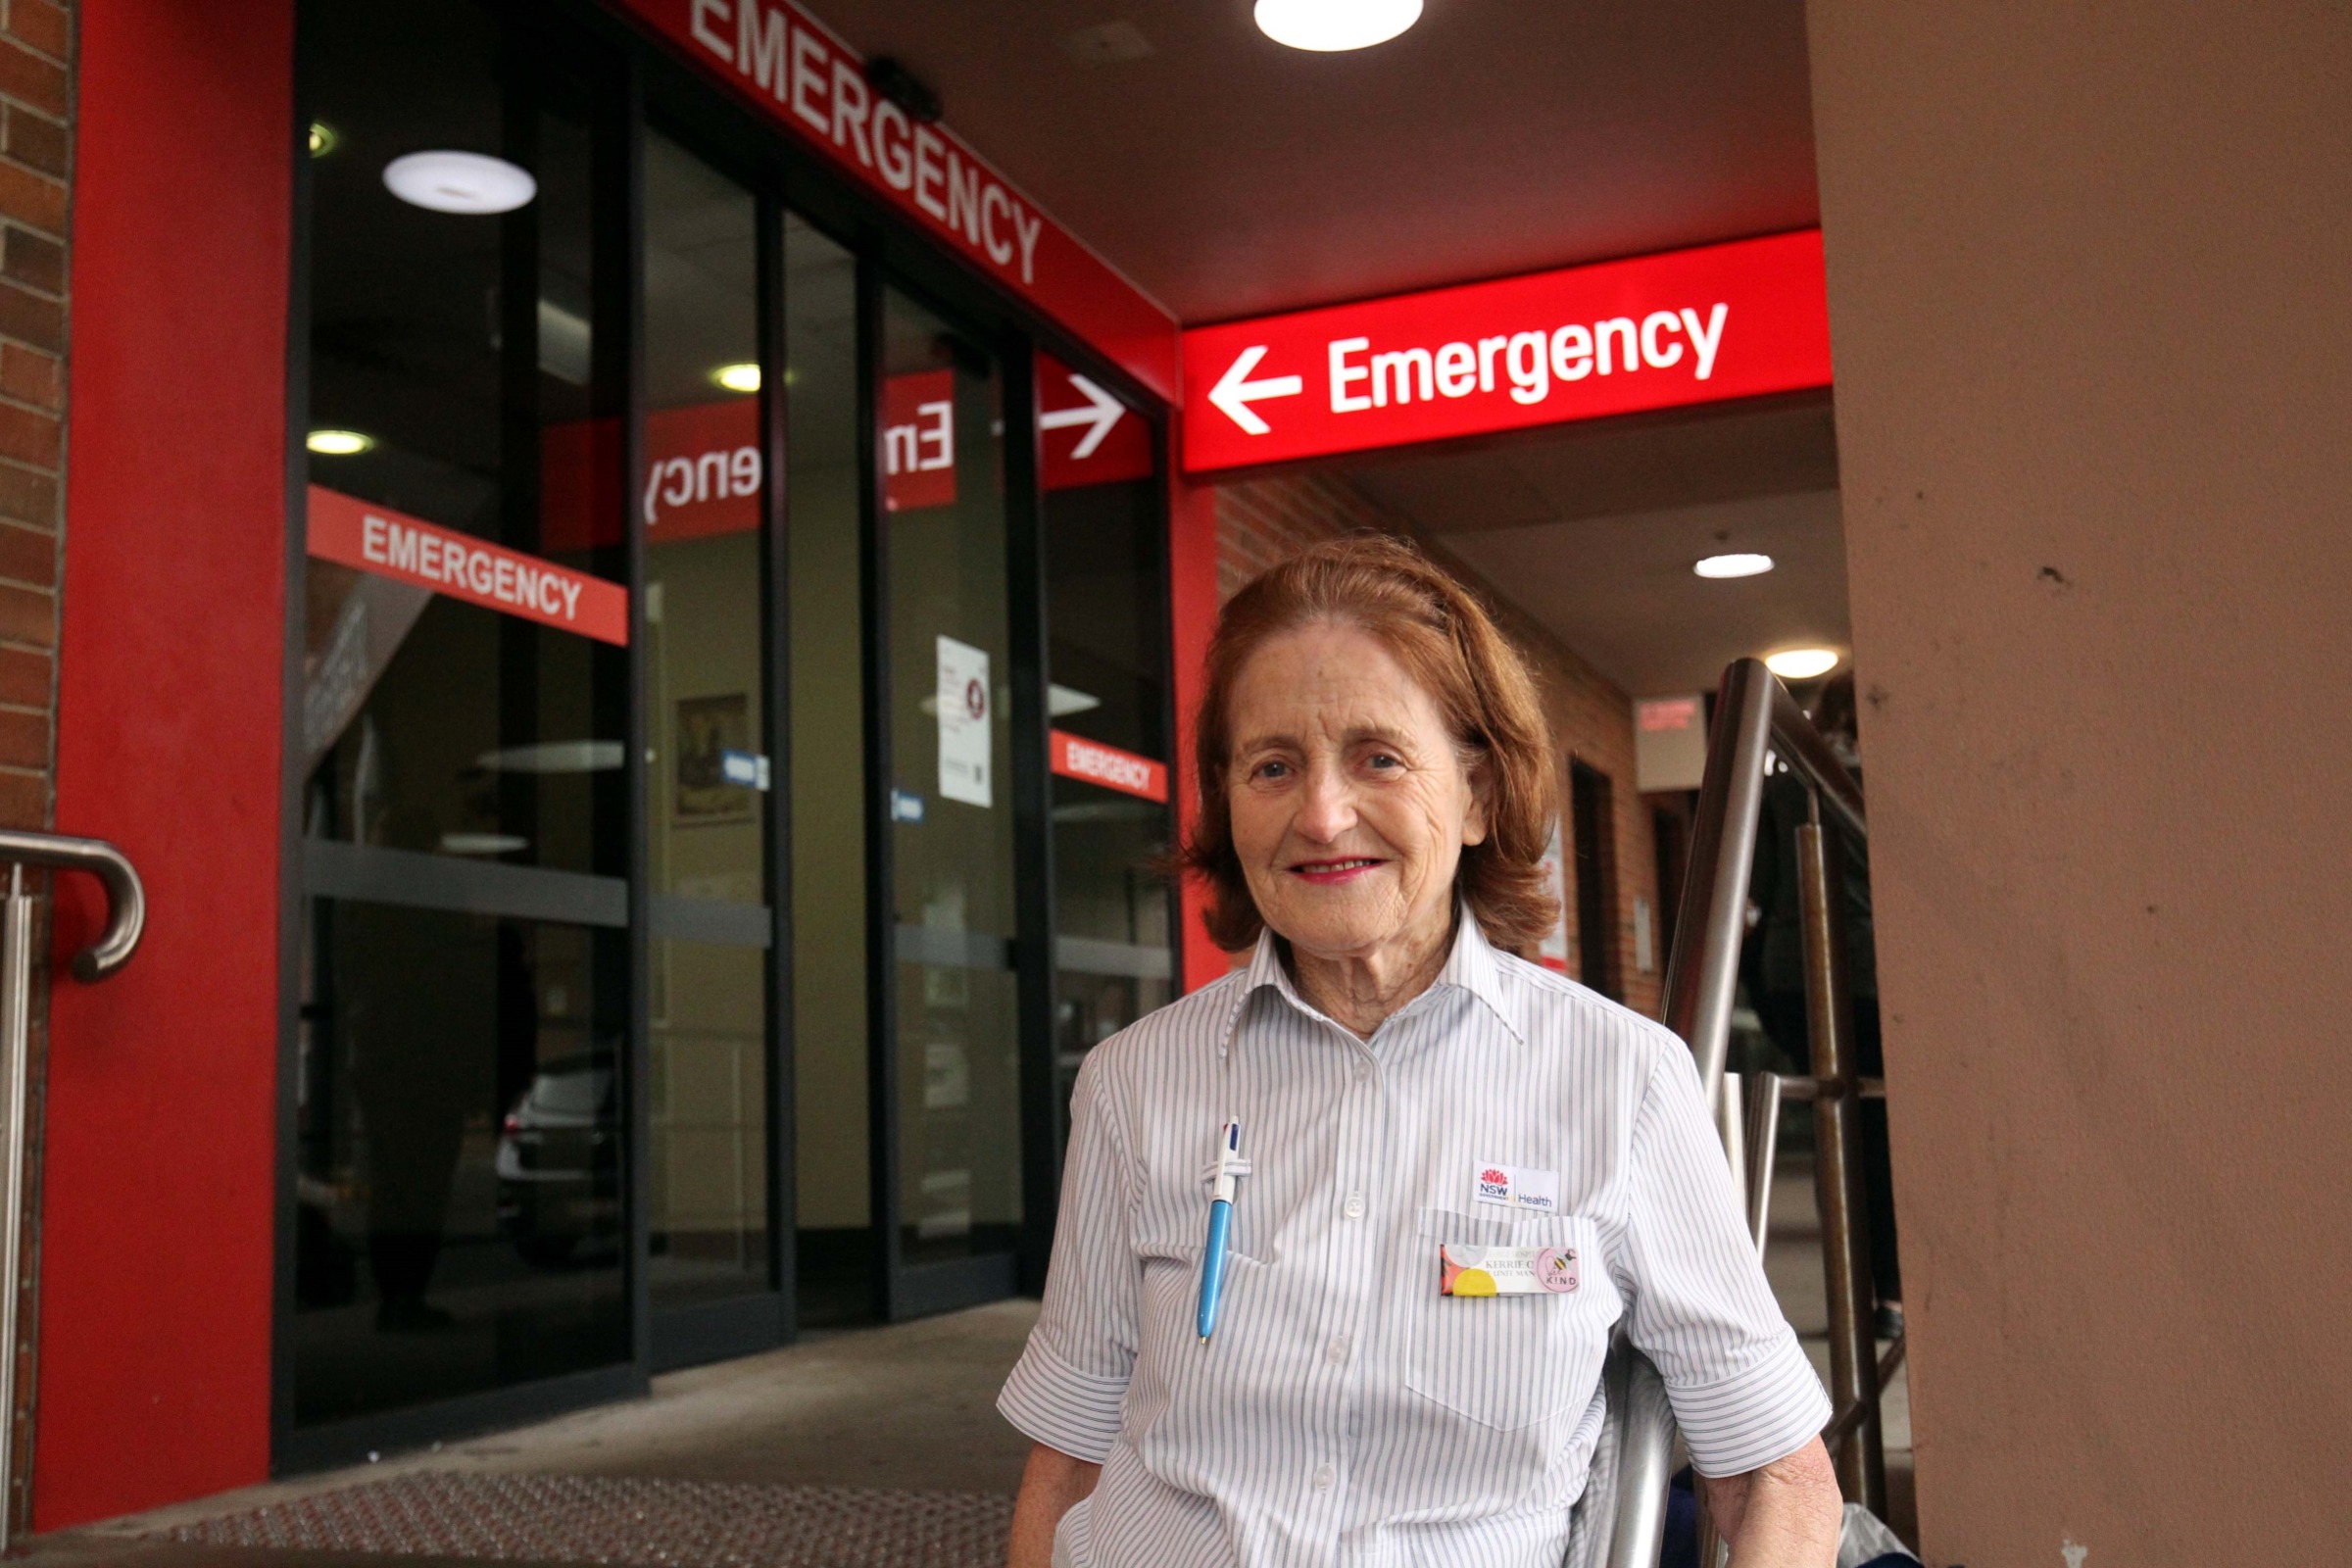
(710, 730)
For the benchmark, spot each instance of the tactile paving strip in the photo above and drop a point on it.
(660, 1524)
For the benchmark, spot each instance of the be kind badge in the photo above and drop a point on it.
(1467, 1270)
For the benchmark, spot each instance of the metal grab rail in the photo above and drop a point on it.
(1755, 715)
(126, 920)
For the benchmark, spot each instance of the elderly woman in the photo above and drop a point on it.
(1461, 1170)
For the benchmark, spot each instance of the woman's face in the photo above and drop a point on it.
(1350, 803)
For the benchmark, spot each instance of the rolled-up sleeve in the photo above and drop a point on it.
(1066, 1389)
(1742, 1387)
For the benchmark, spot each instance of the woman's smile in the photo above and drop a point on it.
(1334, 873)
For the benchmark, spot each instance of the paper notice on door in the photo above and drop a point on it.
(965, 741)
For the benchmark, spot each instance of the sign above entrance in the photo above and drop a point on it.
(1087, 436)
(356, 533)
(1661, 331)
(813, 86)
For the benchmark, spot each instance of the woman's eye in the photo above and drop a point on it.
(1383, 759)
(1270, 772)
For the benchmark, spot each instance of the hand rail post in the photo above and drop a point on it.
(1837, 1163)
(127, 920)
(15, 1045)
(1702, 976)
(1763, 1090)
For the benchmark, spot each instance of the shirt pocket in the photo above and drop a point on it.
(1507, 1362)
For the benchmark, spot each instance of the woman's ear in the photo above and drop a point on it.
(1475, 822)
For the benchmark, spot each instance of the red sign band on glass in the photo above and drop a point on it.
(918, 441)
(1087, 436)
(1700, 326)
(813, 86)
(376, 539)
(1108, 767)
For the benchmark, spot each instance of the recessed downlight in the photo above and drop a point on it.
(1801, 664)
(471, 183)
(338, 443)
(738, 377)
(1328, 26)
(322, 138)
(1738, 563)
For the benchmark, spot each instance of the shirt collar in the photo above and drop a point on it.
(1470, 967)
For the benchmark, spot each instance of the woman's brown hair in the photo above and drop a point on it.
(1445, 639)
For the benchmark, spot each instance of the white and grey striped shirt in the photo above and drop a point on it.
(1345, 1412)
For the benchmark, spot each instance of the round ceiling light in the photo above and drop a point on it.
(737, 377)
(1329, 26)
(322, 138)
(1739, 564)
(338, 443)
(472, 183)
(1801, 664)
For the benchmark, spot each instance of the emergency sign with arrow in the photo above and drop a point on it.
(1700, 326)
(1089, 436)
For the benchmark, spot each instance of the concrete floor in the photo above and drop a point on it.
(912, 1405)
(907, 1407)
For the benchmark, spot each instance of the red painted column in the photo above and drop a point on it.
(158, 1181)
(1192, 616)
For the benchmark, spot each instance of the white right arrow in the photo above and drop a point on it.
(1234, 392)
(1099, 409)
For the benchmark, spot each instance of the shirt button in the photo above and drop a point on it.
(1338, 1354)
(1354, 1208)
(1363, 1070)
(1324, 1477)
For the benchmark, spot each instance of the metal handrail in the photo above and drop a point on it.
(1755, 716)
(126, 920)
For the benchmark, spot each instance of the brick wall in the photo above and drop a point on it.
(37, 90)
(1261, 521)
(36, 117)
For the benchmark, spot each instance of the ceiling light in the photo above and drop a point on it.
(737, 377)
(1801, 664)
(1329, 25)
(472, 183)
(1739, 564)
(1064, 701)
(338, 443)
(483, 844)
(322, 138)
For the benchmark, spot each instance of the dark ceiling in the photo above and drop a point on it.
(1229, 175)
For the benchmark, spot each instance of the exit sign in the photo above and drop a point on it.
(1700, 326)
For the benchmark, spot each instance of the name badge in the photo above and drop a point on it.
(1516, 1187)
(1465, 1270)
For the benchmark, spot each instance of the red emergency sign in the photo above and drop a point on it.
(1660, 331)
(1087, 436)
(813, 86)
(918, 441)
(356, 533)
(1108, 767)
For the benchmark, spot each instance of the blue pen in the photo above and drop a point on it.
(1220, 1219)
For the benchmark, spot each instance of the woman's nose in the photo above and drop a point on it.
(1327, 809)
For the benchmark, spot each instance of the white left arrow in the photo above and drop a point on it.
(1235, 391)
(1099, 409)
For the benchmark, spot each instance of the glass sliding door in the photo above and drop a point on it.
(833, 1243)
(704, 504)
(464, 617)
(952, 1129)
(1102, 508)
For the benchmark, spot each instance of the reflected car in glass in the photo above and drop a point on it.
(559, 1163)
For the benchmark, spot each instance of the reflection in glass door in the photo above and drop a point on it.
(459, 1230)
(703, 506)
(952, 1131)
